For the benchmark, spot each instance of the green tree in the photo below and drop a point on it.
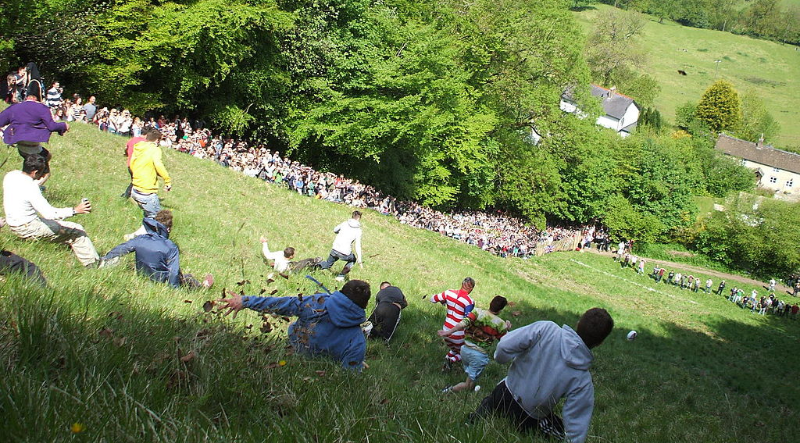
(651, 119)
(427, 103)
(528, 179)
(627, 222)
(412, 109)
(763, 18)
(662, 9)
(685, 115)
(612, 51)
(577, 5)
(659, 178)
(756, 119)
(751, 234)
(720, 107)
(722, 174)
(643, 88)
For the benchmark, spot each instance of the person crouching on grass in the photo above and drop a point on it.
(483, 328)
(549, 363)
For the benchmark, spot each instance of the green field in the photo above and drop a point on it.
(770, 69)
(786, 3)
(124, 359)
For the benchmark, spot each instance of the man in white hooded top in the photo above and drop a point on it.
(347, 234)
(549, 363)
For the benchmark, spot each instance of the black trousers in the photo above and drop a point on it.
(385, 319)
(502, 402)
(13, 263)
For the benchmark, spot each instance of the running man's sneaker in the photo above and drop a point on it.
(447, 390)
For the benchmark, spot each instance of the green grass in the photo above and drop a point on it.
(768, 68)
(108, 349)
(680, 254)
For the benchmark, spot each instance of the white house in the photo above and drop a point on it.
(775, 170)
(621, 111)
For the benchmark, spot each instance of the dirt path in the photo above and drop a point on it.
(779, 288)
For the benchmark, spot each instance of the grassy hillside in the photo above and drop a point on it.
(119, 358)
(770, 69)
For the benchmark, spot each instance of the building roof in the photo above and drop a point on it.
(754, 152)
(614, 103)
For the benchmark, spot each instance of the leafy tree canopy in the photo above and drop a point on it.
(720, 107)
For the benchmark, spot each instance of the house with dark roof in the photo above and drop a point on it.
(621, 111)
(775, 169)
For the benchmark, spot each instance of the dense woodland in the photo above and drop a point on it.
(430, 101)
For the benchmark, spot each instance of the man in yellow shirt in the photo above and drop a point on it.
(146, 167)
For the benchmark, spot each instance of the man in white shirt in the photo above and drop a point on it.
(281, 258)
(347, 233)
(22, 200)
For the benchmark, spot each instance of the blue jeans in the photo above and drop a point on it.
(473, 361)
(336, 255)
(149, 203)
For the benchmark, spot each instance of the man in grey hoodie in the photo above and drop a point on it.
(549, 363)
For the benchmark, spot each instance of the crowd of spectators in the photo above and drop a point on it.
(496, 231)
(761, 304)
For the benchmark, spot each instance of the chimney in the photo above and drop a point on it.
(612, 91)
(760, 143)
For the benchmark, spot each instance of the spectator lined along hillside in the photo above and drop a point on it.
(495, 232)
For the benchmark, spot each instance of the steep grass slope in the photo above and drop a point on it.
(105, 355)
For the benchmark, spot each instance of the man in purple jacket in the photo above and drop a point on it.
(30, 124)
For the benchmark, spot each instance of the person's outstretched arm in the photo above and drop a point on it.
(160, 169)
(290, 306)
(267, 253)
(122, 249)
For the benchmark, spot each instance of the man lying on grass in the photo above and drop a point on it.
(156, 255)
(282, 260)
(327, 324)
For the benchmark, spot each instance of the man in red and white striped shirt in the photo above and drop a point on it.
(459, 304)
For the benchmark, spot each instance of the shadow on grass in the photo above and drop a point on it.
(127, 372)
